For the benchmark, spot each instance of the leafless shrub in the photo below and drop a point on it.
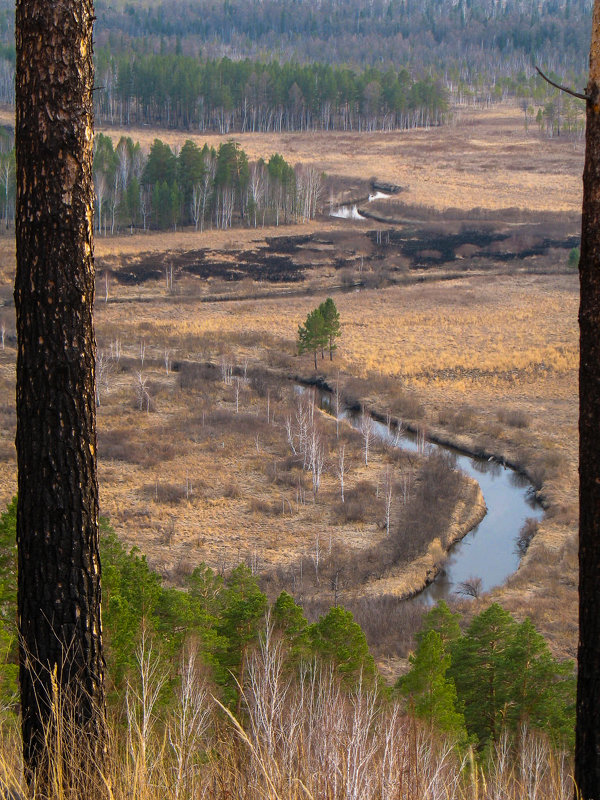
(544, 466)
(279, 359)
(565, 514)
(226, 366)
(7, 450)
(270, 508)
(390, 624)
(104, 370)
(262, 384)
(406, 405)
(285, 472)
(162, 492)
(424, 515)
(222, 419)
(470, 588)
(348, 278)
(168, 534)
(298, 728)
(182, 569)
(351, 510)
(195, 376)
(515, 418)
(367, 430)
(142, 393)
(122, 445)
(137, 515)
(359, 503)
(232, 490)
(402, 210)
(525, 535)
(457, 419)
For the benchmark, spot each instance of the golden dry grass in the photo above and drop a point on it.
(492, 343)
(227, 466)
(489, 342)
(485, 158)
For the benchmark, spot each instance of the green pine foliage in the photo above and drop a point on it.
(432, 692)
(473, 39)
(499, 675)
(312, 336)
(331, 318)
(9, 651)
(199, 186)
(175, 90)
(573, 259)
(320, 330)
(223, 615)
(291, 624)
(242, 610)
(444, 622)
(339, 640)
(536, 689)
(477, 664)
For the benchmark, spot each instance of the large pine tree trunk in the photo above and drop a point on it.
(587, 748)
(57, 516)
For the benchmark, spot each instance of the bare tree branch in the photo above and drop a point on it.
(562, 88)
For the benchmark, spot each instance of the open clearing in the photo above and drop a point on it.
(486, 357)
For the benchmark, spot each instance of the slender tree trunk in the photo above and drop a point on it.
(57, 515)
(587, 747)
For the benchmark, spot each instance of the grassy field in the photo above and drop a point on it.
(484, 159)
(486, 357)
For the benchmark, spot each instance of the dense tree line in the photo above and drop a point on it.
(375, 65)
(474, 685)
(222, 614)
(174, 90)
(199, 186)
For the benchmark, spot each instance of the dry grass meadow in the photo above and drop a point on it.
(486, 357)
(484, 159)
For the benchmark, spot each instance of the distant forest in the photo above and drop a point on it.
(183, 92)
(473, 35)
(272, 65)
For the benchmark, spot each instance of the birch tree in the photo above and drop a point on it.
(367, 430)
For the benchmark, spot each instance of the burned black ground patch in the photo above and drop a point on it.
(273, 263)
(425, 248)
(357, 254)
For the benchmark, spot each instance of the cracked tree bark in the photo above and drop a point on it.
(587, 746)
(57, 514)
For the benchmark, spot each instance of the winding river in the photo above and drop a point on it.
(488, 551)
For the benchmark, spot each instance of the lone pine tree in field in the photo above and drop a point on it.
(320, 330)
(57, 514)
(331, 318)
(312, 336)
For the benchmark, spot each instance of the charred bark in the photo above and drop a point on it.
(57, 514)
(587, 747)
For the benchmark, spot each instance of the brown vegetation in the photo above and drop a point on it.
(292, 739)
(486, 358)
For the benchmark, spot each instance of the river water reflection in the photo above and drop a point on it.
(488, 551)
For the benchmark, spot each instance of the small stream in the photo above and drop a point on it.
(350, 211)
(489, 550)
